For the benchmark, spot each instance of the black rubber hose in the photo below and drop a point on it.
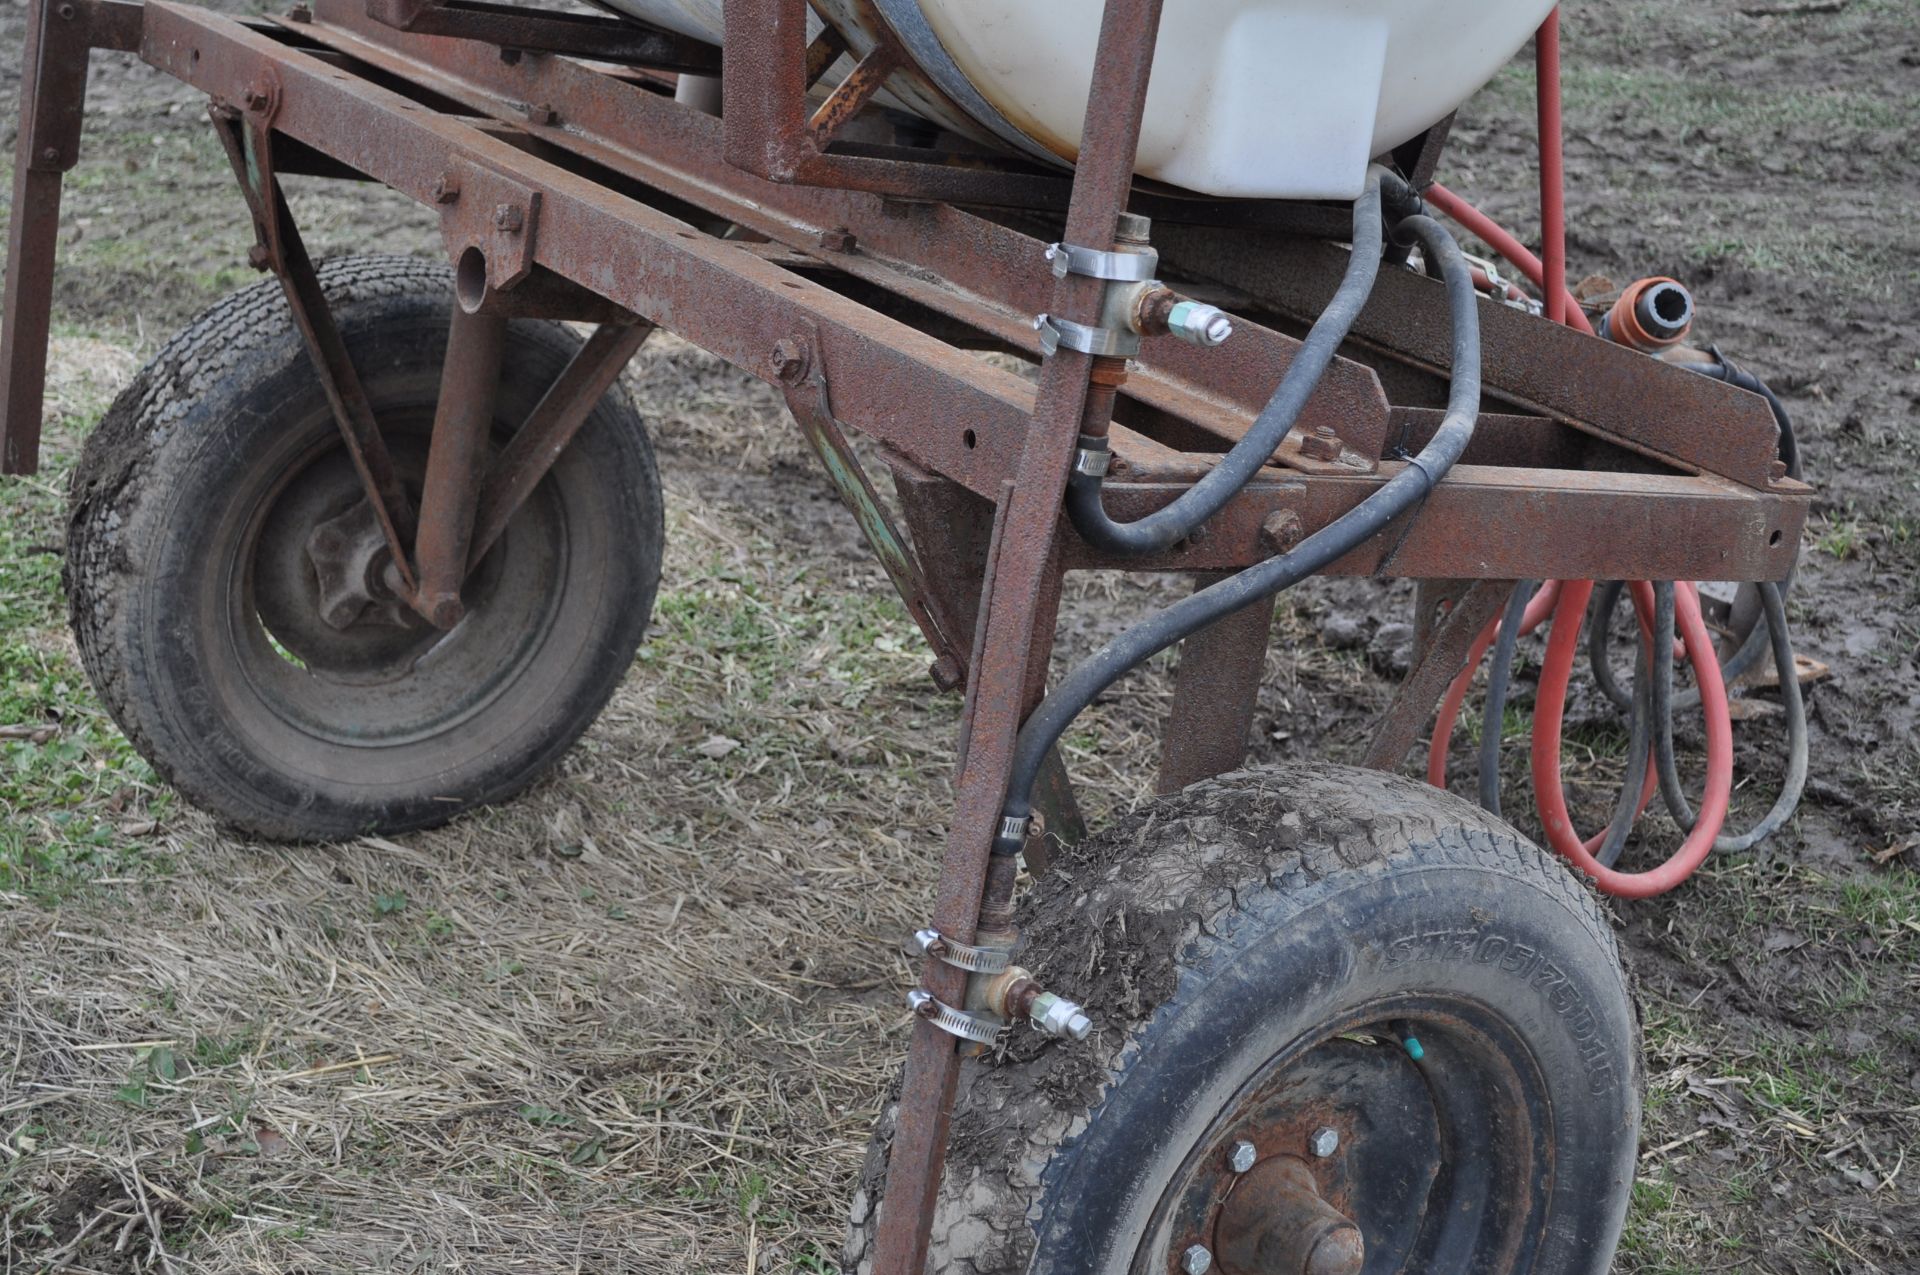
(1168, 526)
(1774, 604)
(1498, 678)
(1605, 602)
(1403, 492)
(1626, 808)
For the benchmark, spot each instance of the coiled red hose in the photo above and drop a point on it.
(1567, 600)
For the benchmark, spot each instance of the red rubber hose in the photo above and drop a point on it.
(1495, 236)
(1550, 706)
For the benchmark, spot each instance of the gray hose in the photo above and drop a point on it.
(1774, 603)
(1498, 678)
(1168, 526)
(1402, 493)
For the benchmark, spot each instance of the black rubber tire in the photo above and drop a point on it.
(1206, 931)
(188, 464)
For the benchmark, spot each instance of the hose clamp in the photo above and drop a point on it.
(1091, 462)
(1115, 342)
(1120, 267)
(1014, 827)
(978, 1028)
(962, 956)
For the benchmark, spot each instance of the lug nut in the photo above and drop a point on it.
(1196, 1260)
(1324, 1142)
(1241, 1156)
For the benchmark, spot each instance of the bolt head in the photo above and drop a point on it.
(1241, 1156)
(838, 239)
(67, 12)
(508, 217)
(446, 189)
(258, 257)
(1322, 444)
(257, 99)
(50, 154)
(1196, 1260)
(1324, 1142)
(1281, 530)
(300, 13)
(789, 359)
(542, 113)
(947, 673)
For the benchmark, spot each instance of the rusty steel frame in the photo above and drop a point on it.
(568, 189)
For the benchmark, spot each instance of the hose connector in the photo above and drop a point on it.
(1199, 324)
(1650, 316)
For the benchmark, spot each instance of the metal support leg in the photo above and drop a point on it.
(1213, 696)
(248, 140)
(53, 89)
(556, 419)
(462, 421)
(1438, 663)
(1026, 530)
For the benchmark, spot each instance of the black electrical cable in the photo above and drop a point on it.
(1168, 526)
(1401, 493)
(1773, 600)
(1498, 677)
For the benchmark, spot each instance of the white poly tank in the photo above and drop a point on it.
(1277, 99)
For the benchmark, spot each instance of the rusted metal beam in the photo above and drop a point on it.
(1440, 661)
(53, 91)
(1214, 691)
(1027, 533)
(990, 276)
(456, 455)
(1592, 385)
(555, 419)
(248, 140)
(804, 382)
(518, 27)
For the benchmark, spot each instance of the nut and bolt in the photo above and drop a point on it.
(1281, 531)
(1241, 1156)
(1198, 324)
(50, 154)
(258, 257)
(300, 13)
(1197, 1260)
(947, 673)
(1324, 1142)
(509, 218)
(446, 188)
(1132, 228)
(789, 359)
(257, 99)
(838, 239)
(1322, 444)
(542, 113)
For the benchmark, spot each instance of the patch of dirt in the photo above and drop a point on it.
(645, 1015)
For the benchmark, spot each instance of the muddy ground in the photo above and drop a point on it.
(641, 1018)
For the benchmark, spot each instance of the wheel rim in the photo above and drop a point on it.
(388, 678)
(1443, 1164)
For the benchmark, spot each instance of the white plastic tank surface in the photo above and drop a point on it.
(1283, 99)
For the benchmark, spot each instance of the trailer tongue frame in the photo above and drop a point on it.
(859, 278)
